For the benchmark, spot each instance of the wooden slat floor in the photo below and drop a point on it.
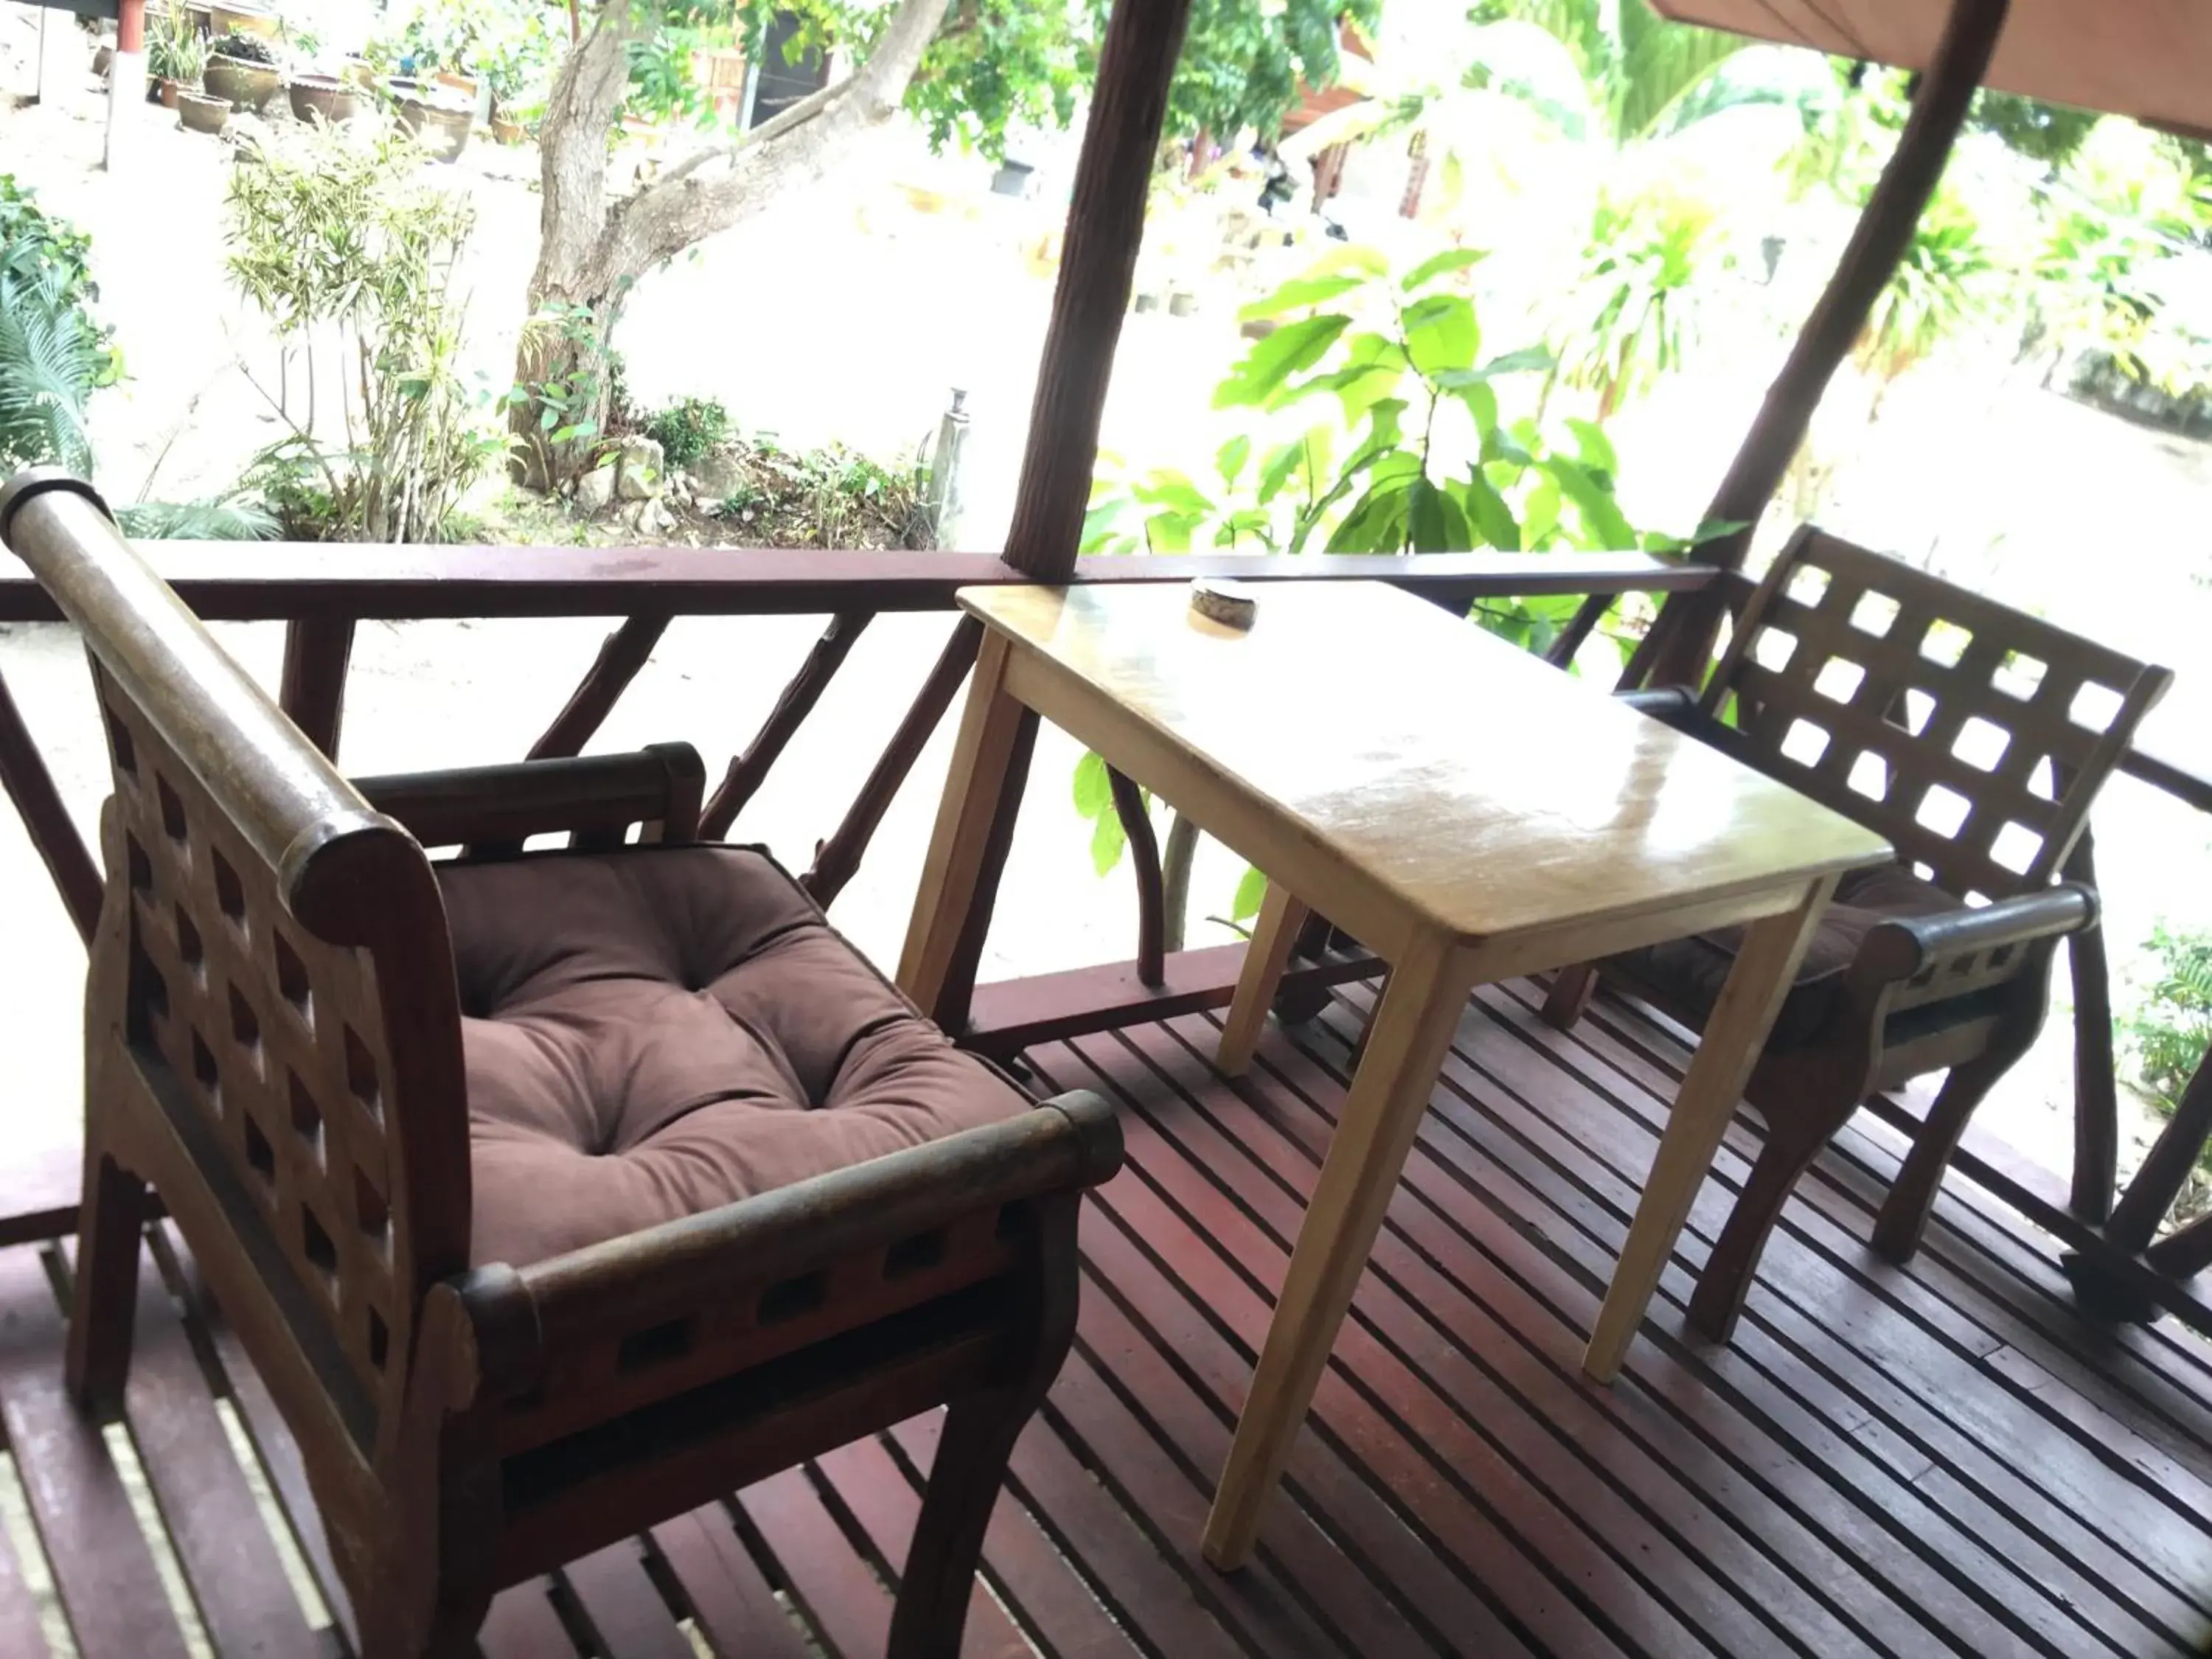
(1943, 1459)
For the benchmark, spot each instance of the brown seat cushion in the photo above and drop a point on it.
(652, 1033)
(1690, 972)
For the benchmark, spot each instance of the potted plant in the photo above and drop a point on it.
(175, 55)
(321, 97)
(202, 112)
(242, 68)
(442, 122)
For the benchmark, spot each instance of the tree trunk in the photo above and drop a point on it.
(593, 248)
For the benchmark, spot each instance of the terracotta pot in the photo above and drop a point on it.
(164, 93)
(247, 86)
(244, 19)
(360, 72)
(202, 113)
(443, 127)
(321, 97)
(508, 132)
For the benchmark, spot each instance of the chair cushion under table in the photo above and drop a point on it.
(1690, 972)
(656, 1032)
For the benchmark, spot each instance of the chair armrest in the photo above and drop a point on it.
(595, 798)
(870, 1217)
(1907, 947)
(1670, 705)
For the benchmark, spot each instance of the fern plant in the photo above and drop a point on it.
(49, 360)
(2172, 1027)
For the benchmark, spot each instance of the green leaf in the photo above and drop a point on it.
(570, 433)
(1094, 790)
(1522, 362)
(1441, 333)
(1434, 522)
(1230, 461)
(1602, 515)
(1594, 447)
(1428, 271)
(1298, 292)
(1172, 489)
(1108, 838)
(1170, 533)
(1481, 401)
(1289, 349)
(1276, 471)
(1491, 517)
(551, 419)
(1098, 523)
(1251, 891)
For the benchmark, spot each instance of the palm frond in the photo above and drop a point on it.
(49, 363)
(219, 519)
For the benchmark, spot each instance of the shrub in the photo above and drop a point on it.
(244, 49)
(2172, 1027)
(689, 429)
(53, 354)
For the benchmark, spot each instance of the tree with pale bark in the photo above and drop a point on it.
(967, 70)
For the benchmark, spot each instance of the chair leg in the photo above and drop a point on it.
(1569, 996)
(104, 1302)
(1905, 1212)
(941, 1562)
(1718, 1299)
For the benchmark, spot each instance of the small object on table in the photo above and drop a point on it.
(1231, 604)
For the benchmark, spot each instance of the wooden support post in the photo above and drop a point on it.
(126, 80)
(622, 658)
(1679, 648)
(837, 857)
(1097, 270)
(1152, 895)
(750, 770)
(317, 650)
(69, 861)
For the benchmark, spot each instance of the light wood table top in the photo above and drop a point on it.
(1472, 783)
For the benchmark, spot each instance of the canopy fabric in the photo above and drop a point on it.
(2149, 59)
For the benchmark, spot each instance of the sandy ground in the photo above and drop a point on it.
(915, 282)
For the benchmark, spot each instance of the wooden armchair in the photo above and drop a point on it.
(551, 1193)
(1973, 736)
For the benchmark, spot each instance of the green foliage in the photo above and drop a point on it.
(244, 49)
(174, 50)
(1630, 316)
(1641, 68)
(997, 65)
(1411, 451)
(48, 364)
(1411, 454)
(688, 429)
(2170, 1029)
(557, 419)
(2049, 133)
(341, 239)
(1939, 288)
(826, 497)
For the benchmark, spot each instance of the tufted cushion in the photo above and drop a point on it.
(1690, 972)
(652, 1033)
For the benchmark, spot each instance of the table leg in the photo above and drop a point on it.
(1735, 1033)
(988, 728)
(1420, 1009)
(1281, 916)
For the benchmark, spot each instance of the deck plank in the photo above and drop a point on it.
(1944, 1459)
(237, 1578)
(102, 1564)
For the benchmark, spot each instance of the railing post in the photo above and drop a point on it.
(1098, 268)
(947, 463)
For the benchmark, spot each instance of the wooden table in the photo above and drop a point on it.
(1466, 812)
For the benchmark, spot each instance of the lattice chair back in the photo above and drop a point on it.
(272, 965)
(1972, 735)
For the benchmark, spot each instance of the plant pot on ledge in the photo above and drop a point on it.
(443, 127)
(245, 86)
(321, 97)
(202, 112)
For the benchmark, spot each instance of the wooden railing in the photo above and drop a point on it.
(323, 592)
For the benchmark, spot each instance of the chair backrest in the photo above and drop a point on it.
(274, 956)
(1973, 736)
